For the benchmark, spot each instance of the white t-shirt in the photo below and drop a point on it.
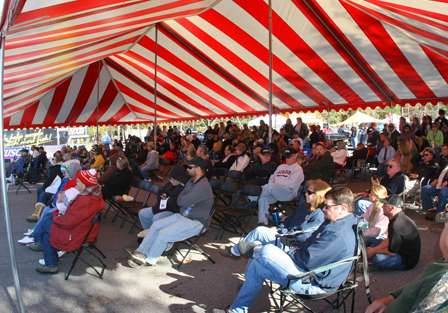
(289, 176)
(339, 156)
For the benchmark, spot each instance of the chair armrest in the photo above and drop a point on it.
(321, 269)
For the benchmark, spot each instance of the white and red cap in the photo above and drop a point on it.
(88, 177)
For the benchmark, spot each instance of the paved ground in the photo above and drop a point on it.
(195, 288)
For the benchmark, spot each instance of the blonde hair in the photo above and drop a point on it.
(380, 192)
(320, 188)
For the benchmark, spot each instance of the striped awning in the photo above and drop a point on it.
(86, 62)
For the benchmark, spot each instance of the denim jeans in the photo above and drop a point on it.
(41, 234)
(429, 193)
(361, 206)
(387, 262)
(146, 185)
(271, 194)
(147, 217)
(269, 263)
(167, 230)
(262, 235)
(43, 197)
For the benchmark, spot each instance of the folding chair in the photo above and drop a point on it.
(284, 207)
(91, 249)
(336, 299)
(21, 179)
(192, 243)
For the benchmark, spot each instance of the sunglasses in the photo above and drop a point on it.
(426, 154)
(390, 166)
(310, 192)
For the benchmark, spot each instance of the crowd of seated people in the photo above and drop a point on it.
(242, 161)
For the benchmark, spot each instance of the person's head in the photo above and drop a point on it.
(407, 128)
(290, 155)
(217, 146)
(299, 120)
(435, 127)
(391, 127)
(24, 153)
(86, 180)
(338, 203)
(319, 149)
(373, 125)
(392, 206)
(377, 193)
(240, 149)
(228, 150)
(445, 150)
(202, 152)
(441, 112)
(428, 155)
(57, 157)
(315, 193)
(196, 168)
(150, 146)
(393, 167)
(265, 154)
(360, 146)
(122, 163)
(295, 143)
(340, 145)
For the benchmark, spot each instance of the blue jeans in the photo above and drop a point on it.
(269, 263)
(167, 230)
(387, 262)
(147, 217)
(43, 197)
(361, 206)
(270, 194)
(146, 185)
(262, 235)
(429, 193)
(41, 234)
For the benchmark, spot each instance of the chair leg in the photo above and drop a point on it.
(201, 251)
(75, 260)
(184, 257)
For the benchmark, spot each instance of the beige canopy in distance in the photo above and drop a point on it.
(360, 118)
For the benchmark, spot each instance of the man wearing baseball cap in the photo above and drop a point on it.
(282, 186)
(195, 203)
(401, 250)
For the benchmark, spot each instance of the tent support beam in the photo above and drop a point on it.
(12, 253)
(156, 40)
(270, 71)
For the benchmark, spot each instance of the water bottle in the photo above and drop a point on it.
(276, 217)
(187, 211)
(282, 229)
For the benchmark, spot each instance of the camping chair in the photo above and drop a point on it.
(336, 299)
(192, 243)
(22, 178)
(91, 249)
(284, 207)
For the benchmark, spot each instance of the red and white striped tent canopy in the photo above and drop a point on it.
(85, 62)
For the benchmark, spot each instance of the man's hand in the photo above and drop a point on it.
(379, 305)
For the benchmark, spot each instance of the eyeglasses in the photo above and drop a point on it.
(426, 154)
(310, 192)
(328, 206)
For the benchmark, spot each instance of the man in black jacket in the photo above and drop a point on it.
(321, 166)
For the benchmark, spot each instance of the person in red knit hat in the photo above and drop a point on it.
(66, 232)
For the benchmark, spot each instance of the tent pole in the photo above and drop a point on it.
(270, 72)
(12, 254)
(155, 84)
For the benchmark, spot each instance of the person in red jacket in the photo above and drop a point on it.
(67, 232)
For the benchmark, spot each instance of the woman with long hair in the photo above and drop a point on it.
(378, 222)
(262, 235)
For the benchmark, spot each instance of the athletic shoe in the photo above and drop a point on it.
(47, 269)
(35, 247)
(137, 257)
(26, 240)
(28, 232)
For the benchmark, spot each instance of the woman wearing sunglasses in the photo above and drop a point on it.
(262, 235)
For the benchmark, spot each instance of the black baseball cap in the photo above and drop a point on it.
(197, 161)
(289, 151)
(266, 150)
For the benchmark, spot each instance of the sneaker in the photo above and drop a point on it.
(60, 254)
(42, 262)
(35, 247)
(26, 240)
(137, 257)
(47, 269)
(226, 251)
(143, 233)
(28, 232)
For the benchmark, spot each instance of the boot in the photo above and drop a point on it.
(38, 207)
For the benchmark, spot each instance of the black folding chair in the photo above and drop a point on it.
(91, 249)
(336, 299)
(192, 243)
